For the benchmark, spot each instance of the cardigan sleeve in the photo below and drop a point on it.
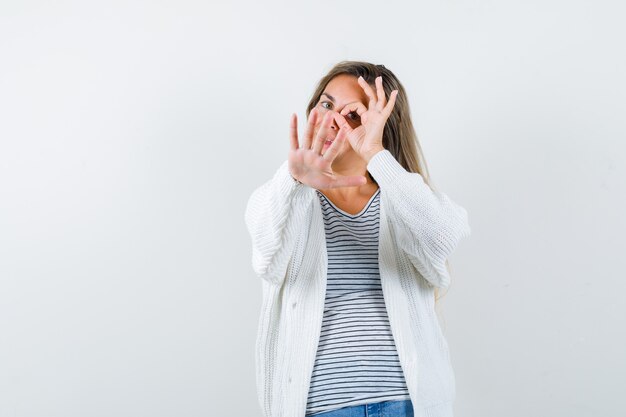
(275, 216)
(428, 224)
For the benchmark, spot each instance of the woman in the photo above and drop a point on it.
(351, 244)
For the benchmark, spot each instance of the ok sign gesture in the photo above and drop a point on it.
(367, 139)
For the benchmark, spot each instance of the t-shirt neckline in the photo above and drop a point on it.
(360, 213)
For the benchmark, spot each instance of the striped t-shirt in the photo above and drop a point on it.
(356, 361)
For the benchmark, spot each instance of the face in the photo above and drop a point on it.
(343, 90)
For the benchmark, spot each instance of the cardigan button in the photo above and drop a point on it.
(290, 380)
(294, 305)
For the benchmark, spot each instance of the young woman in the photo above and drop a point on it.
(351, 244)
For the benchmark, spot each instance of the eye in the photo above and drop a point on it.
(322, 103)
(354, 115)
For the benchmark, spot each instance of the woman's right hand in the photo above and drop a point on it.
(308, 165)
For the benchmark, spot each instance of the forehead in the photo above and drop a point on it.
(345, 88)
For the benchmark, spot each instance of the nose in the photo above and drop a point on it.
(333, 125)
(323, 114)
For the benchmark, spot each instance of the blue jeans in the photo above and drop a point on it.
(394, 408)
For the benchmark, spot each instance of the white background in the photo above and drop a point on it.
(133, 132)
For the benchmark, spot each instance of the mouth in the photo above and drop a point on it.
(328, 142)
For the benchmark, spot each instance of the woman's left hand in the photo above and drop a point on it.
(367, 139)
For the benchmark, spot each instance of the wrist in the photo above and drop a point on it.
(295, 180)
(370, 154)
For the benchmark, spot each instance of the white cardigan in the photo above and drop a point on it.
(419, 229)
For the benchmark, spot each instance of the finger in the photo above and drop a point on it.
(318, 143)
(333, 149)
(342, 122)
(368, 91)
(293, 132)
(308, 134)
(358, 107)
(392, 101)
(381, 93)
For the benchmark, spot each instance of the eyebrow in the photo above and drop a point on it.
(333, 98)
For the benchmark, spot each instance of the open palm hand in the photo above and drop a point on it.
(308, 165)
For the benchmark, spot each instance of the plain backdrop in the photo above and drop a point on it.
(133, 132)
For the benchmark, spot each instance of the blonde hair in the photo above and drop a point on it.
(399, 135)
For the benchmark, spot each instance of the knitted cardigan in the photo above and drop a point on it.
(419, 229)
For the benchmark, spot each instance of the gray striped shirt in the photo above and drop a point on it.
(356, 361)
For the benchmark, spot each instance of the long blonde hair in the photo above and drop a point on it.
(399, 136)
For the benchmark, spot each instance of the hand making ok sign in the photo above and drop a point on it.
(367, 139)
